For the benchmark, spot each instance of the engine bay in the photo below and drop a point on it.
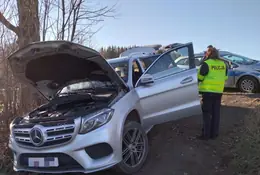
(63, 108)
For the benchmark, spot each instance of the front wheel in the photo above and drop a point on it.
(248, 84)
(134, 148)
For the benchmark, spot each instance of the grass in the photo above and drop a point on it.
(246, 160)
(5, 153)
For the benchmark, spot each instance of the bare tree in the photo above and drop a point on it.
(9, 95)
(26, 21)
(28, 29)
(61, 20)
(74, 20)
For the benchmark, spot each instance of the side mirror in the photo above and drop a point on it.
(146, 79)
(232, 66)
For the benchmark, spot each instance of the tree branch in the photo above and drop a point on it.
(63, 19)
(7, 24)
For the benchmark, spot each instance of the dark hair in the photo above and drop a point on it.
(210, 46)
(214, 53)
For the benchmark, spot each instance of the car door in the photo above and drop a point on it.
(198, 61)
(231, 81)
(173, 94)
(183, 63)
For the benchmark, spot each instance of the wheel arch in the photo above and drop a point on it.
(133, 115)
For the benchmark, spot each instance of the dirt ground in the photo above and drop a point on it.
(176, 151)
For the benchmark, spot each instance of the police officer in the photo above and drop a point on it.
(211, 76)
(209, 48)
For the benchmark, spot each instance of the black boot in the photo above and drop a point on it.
(213, 137)
(202, 137)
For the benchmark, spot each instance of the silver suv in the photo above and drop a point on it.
(93, 120)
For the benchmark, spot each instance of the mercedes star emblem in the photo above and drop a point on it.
(37, 137)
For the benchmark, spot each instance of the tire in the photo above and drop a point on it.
(124, 166)
(248, 84)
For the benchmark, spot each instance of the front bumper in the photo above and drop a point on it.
(91, 152)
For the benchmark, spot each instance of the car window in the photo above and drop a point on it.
(136, 67)
(136, 70)
(239, 59)
(198, 61)
(183, 61)
(234, 59)
(166, 63)
(121, 69)
(199, 58)
(147, 61)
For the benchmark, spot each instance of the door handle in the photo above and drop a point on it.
(186, 80)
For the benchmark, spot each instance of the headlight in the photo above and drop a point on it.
(95, 120)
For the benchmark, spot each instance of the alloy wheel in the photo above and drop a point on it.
(247, 85)
(133, 147)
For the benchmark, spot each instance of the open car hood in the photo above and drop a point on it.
(49, 66)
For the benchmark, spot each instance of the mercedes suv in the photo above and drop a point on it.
(93, 120)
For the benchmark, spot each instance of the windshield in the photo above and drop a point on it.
(239, 59)
(121, 69)
(96, 88)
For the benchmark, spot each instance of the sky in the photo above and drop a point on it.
(231, 25)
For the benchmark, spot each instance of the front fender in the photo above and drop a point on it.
(123, 107)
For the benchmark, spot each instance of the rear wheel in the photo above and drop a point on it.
(134, 148)
(248, 84)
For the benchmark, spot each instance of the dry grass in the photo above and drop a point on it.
(247, 151)
(5, 153)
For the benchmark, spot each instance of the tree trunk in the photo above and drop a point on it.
(28, 31)
(29, 25)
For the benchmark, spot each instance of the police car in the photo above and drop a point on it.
(243, 72)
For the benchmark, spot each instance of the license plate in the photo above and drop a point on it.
(43, 162)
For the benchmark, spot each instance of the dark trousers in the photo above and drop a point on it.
(211, 103)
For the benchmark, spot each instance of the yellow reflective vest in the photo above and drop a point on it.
(214, 81)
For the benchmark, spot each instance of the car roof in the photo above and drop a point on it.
(221, 52)
(125, 59)
(155, 55)
(119, 59)
(198, 55)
